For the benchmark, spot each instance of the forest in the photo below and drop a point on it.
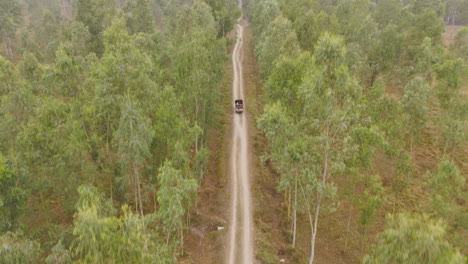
(106, 108)
(366, 118)
(103, 117)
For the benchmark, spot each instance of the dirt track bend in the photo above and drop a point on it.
(240, 232)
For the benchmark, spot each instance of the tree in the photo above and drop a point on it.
(446, 184)
(101, 237)
(460, 44)
(76, 35)
(285, 78)
(95, 15)
(278, 39)
(8, 77)
(59, 255)
(139, 17)
(196, 54)
(10, 19)
(225, 14)
(310, 26)
(449, 76)
(413, 239)
(419, 6)
(415, 106)
(288, 153)
(133, 139)
(263, 13)
(173, 197)
(426, 24)
(330, 99)
(16, 249)
(12, 196)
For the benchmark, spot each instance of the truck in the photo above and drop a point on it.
(239, 106)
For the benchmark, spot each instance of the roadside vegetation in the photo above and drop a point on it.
(366, 117)
(104, 109)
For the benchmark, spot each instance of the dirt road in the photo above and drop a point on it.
(240, 232)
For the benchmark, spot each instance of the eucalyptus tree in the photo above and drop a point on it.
(68, 72)
(331, 107)
(133, 139)
(263, 12)
(95, 15)
(413, 239)
(449, 80)
(311, 25)
(124, 69)
(10, 19)
(278, 39)
(102, 237)
(16, 249)
(446, 185)
(173, 196)
(225, 13)
(197, 55)
(59, 255)
(286, 75)
(415, 107)
(460, 44)
(76, 35)
(12, 197)
(288, 154)
(362, 189)
(139, 16)
(8, 76)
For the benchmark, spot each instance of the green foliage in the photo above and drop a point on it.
(59, 255)
(286, 76)
(15, 250)
(77, 36)
(446, 184)
(139, 17)
(460, 44)
(413, 239)
(310, 26)
(449, 76)
(10, 18)
(415, 105)
(12, 196)
(100, 238)
(372, 198)
(323, 125)
(262, 13)
(95, 15)
(8, 76)
(225, 14)
(108, 97)
(173, 196)
(278, 39)
(427, 24)
(133, 135)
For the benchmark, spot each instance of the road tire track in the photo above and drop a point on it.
(240, 231)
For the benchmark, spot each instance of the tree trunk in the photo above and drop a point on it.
(317, 209)
(109, 157)
(182, 241)
(314, 232)
(8, 51)
(347, 229)
(295, 213)
(137, 176)
(154, 201)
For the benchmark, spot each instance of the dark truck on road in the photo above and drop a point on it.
(239, 106)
